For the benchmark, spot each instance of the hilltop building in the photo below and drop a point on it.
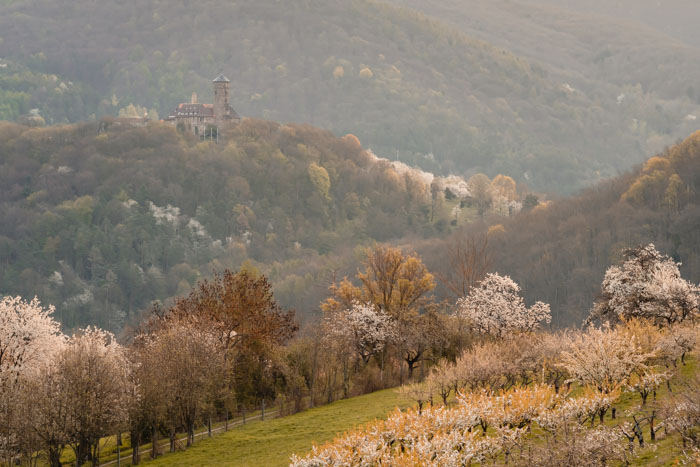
(197, 117)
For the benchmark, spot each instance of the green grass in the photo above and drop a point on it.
(272, 442)
(467, 215)
(108, 445)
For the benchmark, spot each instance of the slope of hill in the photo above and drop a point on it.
(101, 222)
(21, 90)
(272, 443)
(559, 253)
(402, 82)
(579, 47)
(677, 18)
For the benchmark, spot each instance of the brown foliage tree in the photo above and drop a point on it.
(392, 280)
(240, 309)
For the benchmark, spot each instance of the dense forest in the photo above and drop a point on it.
(580, 48)
(434, 94)
(101, 221)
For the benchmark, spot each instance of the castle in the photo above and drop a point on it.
(201, 118)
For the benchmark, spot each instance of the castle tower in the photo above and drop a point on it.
(222, 108)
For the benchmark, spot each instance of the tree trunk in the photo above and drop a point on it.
(95, 454)
(346, 380)
(81, 454)
(154, 442)
(135, 453)
(262, 412)
(190, 435)
(638, 432)
(209, 425)
(331, 386)
(55, 457)
(382, 366)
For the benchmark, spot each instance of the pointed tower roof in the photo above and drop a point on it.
(222, 79)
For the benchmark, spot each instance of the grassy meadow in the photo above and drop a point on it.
(271, 443)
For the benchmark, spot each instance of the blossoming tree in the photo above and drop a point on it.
(495, 307)
(366, 327)
(29, 339)
(647, 285)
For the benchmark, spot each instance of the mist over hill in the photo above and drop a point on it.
(675, 18)
(555, 97)
(581, 47)
(215, 215)
(411, 86)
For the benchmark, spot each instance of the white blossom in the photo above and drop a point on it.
(197, 228)
(647, 285)
(495, 307)
(603, 357)
(167, 214)
(439, 436)
(677, 341)
(366, 326)
(29, 340)
(29, 336)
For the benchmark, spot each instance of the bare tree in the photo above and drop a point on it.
(190, 370)
(469, 260)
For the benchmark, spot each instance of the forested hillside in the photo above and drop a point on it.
(407, 85)
(677, 18)
(586, 50)
(559, 252)
(100, 222)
